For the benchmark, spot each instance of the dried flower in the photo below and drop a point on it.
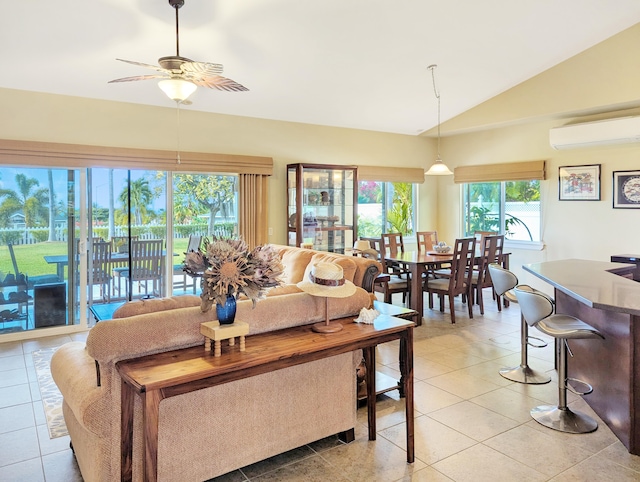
(227, 267)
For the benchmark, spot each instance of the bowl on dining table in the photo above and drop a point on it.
(441, 249)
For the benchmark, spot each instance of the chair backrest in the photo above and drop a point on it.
(479, 235)
(376, 244)
(101, 262)
(490, 252)
(427, 240)
(534, 305)
(392, 242)
(121, 243)
(13, 260)
(503, 279)
(146, 259)
(464, 251)
(194, 243)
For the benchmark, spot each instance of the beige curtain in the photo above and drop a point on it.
(391, 174)
(510, 171)
(253, 226)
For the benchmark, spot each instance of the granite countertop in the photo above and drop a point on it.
(593, 283)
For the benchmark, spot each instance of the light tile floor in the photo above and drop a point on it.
(471, 424)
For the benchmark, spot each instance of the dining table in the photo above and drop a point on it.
(419, 262)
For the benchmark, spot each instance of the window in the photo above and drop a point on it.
(385, 207)
(511, 208)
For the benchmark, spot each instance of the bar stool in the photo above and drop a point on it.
(503, 283)
(537, 309)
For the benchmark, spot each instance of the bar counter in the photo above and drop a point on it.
(603, 295)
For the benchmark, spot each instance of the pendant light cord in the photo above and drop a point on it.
(432, 68)
(178, 132)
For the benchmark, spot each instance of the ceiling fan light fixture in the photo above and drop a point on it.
(178, 90)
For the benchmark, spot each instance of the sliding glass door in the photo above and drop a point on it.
(127, 226)
(204, 205)
(38, 213)
(77, 243)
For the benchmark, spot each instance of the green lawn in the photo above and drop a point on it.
(30, 257)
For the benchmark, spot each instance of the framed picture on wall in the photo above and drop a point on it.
(626, 189)
(579, 183)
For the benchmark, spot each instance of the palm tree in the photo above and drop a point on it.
(141, 196)
(32, 203)
(112, 221)
(52, 207)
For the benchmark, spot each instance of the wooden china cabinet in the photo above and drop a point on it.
(321, 206)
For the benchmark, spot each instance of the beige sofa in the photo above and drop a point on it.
(212, 431)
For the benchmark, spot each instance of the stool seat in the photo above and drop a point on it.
(568, 327)
(537, 309)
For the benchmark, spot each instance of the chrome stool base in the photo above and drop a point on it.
(563, 420)
(524, 374)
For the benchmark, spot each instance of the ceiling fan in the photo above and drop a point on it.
(182, 75)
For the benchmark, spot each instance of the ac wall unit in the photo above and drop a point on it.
(611, 131)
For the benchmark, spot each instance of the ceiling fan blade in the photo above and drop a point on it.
(146, 66)
(139, 77)
(201, 69)
(220, 83)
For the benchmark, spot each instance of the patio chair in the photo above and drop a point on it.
(31, 280)
(193, 245)
(146, 266)
(100, 273)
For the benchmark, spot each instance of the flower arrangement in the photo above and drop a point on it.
(228, 267)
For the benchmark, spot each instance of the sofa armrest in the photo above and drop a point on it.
(74, 372)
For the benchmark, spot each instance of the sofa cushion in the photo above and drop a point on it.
(295, 262)
(348, 265)
(151, 305)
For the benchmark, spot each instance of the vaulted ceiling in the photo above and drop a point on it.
(358, 64)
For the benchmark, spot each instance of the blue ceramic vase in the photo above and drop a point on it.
(227, 313)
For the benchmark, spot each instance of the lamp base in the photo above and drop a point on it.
(327, 327)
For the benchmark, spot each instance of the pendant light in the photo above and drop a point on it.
(438, 168)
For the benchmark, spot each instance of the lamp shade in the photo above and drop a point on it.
(438, 168)
(177, 89)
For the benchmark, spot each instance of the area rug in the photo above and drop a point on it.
(51, 396)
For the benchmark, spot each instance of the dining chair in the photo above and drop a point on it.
(459, 283)
(393, 243)
(426, 240)
(146, 265)
(490, 251)
(384, 282)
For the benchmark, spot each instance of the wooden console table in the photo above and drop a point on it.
(163, 375)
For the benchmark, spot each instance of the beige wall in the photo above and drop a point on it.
(511, 127)
(53, 118)
(570, 229)
(514, 126)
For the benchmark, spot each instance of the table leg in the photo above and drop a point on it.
(150, 411)
(126, 432)
(369, 354)
(416, 290)
(406, 342)
(403, 363)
